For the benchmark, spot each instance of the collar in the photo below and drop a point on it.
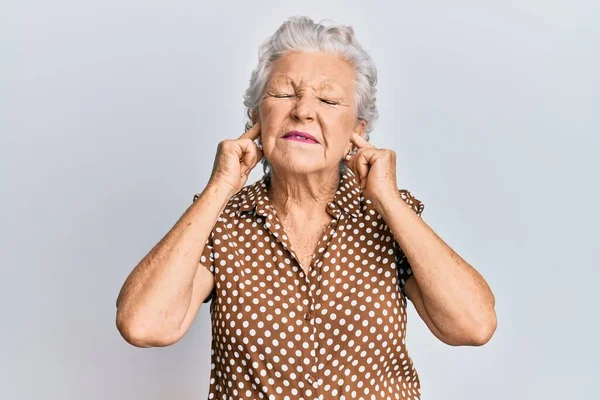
(348, 197)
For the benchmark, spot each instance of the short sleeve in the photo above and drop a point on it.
(404, 269)
(415, 204)
(402, 263)
(208, 260)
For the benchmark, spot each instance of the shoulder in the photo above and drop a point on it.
(368, 207)
(244, 200)
(413, 202)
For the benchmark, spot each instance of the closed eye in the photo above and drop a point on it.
(330, 102)
(285, 96)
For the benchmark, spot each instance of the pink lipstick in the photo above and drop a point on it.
(300, 137)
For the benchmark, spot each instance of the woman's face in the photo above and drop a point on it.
(312, 93)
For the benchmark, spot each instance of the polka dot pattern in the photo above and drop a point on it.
(337, 331)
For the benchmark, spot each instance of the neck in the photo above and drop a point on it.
(302, 195)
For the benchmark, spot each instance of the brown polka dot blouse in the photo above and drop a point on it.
(336, 332)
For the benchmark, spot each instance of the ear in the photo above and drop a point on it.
(360, 127)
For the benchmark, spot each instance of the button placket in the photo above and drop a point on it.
(312, 280)
(310, 360)
(313, 288)
(310, 336)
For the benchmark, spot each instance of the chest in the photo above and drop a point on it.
(263, 302)
(304, 238)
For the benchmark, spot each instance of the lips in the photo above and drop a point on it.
(300, 136)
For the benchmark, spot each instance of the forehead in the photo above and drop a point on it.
(319, 70)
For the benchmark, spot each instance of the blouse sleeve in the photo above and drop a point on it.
(207, 259)
(404, 268)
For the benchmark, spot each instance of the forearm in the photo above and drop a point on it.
(156, 295)
(457, 298)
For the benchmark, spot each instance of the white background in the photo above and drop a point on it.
(110, 113)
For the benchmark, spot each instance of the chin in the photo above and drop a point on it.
(296, 166)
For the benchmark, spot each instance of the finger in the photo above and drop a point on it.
(368, 153)
(252, 133)
(362, 167)
(360, 142)
(251, 156)
(360, 163)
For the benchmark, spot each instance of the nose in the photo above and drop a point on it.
(304, 109)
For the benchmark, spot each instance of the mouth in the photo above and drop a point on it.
(300, 137)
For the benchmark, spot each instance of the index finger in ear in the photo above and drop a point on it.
(252, 133)
(360, 142)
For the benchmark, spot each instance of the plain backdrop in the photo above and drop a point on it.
(110, 114)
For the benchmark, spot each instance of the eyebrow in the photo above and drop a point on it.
(326, 84)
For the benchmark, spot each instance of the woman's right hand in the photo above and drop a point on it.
(235, 159)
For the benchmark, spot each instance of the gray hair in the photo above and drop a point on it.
(303, 34)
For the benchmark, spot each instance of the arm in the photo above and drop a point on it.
(161, 296)
(451, 297)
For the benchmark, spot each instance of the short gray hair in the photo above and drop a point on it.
(303, 34)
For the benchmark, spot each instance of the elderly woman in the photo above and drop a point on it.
(308, 268)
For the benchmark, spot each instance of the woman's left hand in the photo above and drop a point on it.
(374, 168)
